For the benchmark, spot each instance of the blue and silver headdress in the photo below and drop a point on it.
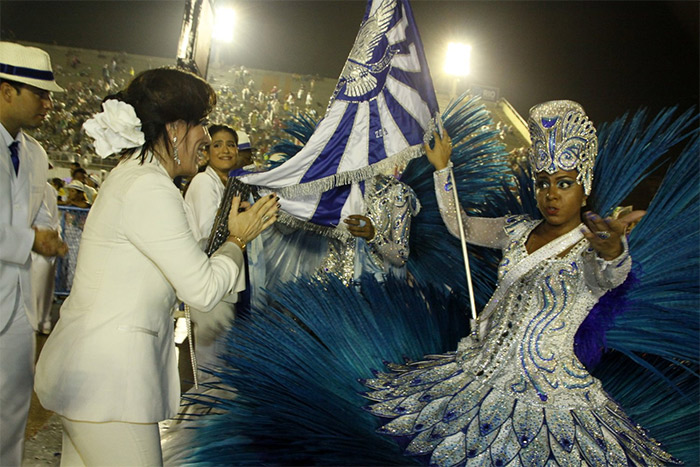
(563, 139)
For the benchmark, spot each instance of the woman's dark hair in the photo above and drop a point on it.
(217, 127)
(162, 96)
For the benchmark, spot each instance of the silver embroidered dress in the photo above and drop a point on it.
(519, 397)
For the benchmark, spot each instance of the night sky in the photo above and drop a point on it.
(610, 56)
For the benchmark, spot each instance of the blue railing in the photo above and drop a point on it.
(72, 223)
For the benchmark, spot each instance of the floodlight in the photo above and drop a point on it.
(457, 59)
(224, 19)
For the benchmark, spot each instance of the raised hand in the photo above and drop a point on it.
(439, 155)
(604, 235)
(360, 226)
(247, 224)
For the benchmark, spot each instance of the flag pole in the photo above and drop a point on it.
(465, 253)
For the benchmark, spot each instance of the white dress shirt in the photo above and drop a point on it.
(203, 198)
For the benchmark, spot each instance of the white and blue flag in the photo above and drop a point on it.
(381, 112)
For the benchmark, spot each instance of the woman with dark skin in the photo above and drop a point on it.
(514, 392)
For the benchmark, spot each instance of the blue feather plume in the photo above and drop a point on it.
(297, 395)
(630, 149)
(664, 309)
(300, 128)
(481, 171)
(654, 404)
(659, 332)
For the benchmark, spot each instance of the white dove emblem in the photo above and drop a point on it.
(358, 72)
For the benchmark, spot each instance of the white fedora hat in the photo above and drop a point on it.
(27, 65)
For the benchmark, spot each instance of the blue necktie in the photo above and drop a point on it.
(14, 155)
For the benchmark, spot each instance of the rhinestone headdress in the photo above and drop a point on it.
(562, 139)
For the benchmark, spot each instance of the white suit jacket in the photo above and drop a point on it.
(21, 207)
(111, 356)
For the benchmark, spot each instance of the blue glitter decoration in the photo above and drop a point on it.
(549, 122)
(449, 416)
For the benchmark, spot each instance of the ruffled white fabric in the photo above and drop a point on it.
(115, 128)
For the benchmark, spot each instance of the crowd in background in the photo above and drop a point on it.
(242, 103)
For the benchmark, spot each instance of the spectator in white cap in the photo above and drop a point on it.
(245, 151)
(77, 194)
(26, 83)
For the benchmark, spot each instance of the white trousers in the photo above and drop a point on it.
(110, 444)
(17, 347)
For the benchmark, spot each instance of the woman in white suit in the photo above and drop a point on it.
(109, 367)
(203, 197)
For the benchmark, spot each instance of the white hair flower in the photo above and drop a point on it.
(115, 128)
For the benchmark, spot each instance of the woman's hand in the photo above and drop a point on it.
(605, 235)
(247, 224)
(439, 156)
(360, 226)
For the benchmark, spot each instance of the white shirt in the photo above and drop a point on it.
(203, 198)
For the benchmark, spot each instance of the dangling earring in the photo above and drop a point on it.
(176, 156)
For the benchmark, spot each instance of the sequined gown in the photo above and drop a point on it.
(519, 396)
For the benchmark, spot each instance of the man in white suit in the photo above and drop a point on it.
(26, 83)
